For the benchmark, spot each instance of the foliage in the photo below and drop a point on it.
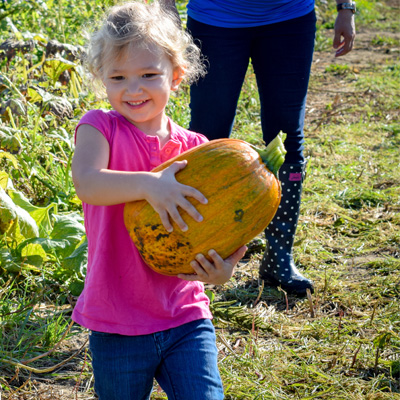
(343, 343)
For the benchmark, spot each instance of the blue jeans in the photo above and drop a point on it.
(183, 360)
(281, 55)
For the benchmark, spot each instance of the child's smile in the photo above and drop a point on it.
(138, 103)
(138, 86)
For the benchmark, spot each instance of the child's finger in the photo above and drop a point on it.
(177, 166)
(199, 273)
(217, 259)
(176, 216)
(196, 194)
(203, 262)
(189, 191)
(191, 210)
(237, 255)
(165, 221)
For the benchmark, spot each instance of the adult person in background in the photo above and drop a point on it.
(278, 37)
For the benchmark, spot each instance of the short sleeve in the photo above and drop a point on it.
(100, 120)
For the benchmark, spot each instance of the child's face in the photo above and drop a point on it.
(138, 86)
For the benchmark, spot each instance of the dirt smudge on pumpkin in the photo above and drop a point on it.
(139, 243)
(238, 215)
(161, 236)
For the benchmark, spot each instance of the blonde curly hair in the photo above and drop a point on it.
(136, 24)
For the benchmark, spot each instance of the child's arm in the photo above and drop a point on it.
(97, 185)
(216, 272)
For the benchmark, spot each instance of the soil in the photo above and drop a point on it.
(73, 380)
(364, 56)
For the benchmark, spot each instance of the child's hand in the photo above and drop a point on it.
(216, 272)
(168, 194)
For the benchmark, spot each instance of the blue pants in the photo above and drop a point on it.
(183, 360)
(281, 55)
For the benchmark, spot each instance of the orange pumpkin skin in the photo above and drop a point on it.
(243, 196)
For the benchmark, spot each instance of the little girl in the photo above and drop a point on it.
(143, 325)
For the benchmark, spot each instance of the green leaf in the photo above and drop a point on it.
(8, 140)
(33, 255)
(382, 340)
(17, 106)
(68, 227)
(8, 212)
(3, 179)
(33, 95)
(63, 135)
(48, 245)
(34, 249)
(210, 294)
(5, 256)
(8, 261)
(77, 260)
(76, 287)
(11, 215)
(41, 215)
(9, 156)
(56, 66)
(26, 223)
(36, 94)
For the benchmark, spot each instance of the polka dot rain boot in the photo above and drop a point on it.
(277, 266)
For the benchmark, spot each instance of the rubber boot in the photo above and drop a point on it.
(277, 266)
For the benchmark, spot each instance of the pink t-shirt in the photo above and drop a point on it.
(122, 294)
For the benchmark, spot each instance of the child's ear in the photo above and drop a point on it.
(177, 78)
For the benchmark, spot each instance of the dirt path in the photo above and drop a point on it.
(333, 89)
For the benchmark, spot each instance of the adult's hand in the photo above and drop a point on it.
(345, 32)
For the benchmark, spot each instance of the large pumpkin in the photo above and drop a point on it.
(243, 195)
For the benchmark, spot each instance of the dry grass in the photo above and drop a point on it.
(340, 343)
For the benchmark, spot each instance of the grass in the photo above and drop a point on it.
(341, 343)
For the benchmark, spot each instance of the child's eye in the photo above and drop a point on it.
(117, 78)
(150, 75)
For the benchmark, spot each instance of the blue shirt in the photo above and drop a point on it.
(247, 13)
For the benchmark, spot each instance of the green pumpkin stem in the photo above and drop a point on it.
(273, 155)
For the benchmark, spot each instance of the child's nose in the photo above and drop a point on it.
(134, 86)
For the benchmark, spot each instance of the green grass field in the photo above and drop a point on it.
(343, 342)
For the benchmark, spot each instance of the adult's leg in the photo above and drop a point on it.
(213, 99)
(282, 56)
(189, 367)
